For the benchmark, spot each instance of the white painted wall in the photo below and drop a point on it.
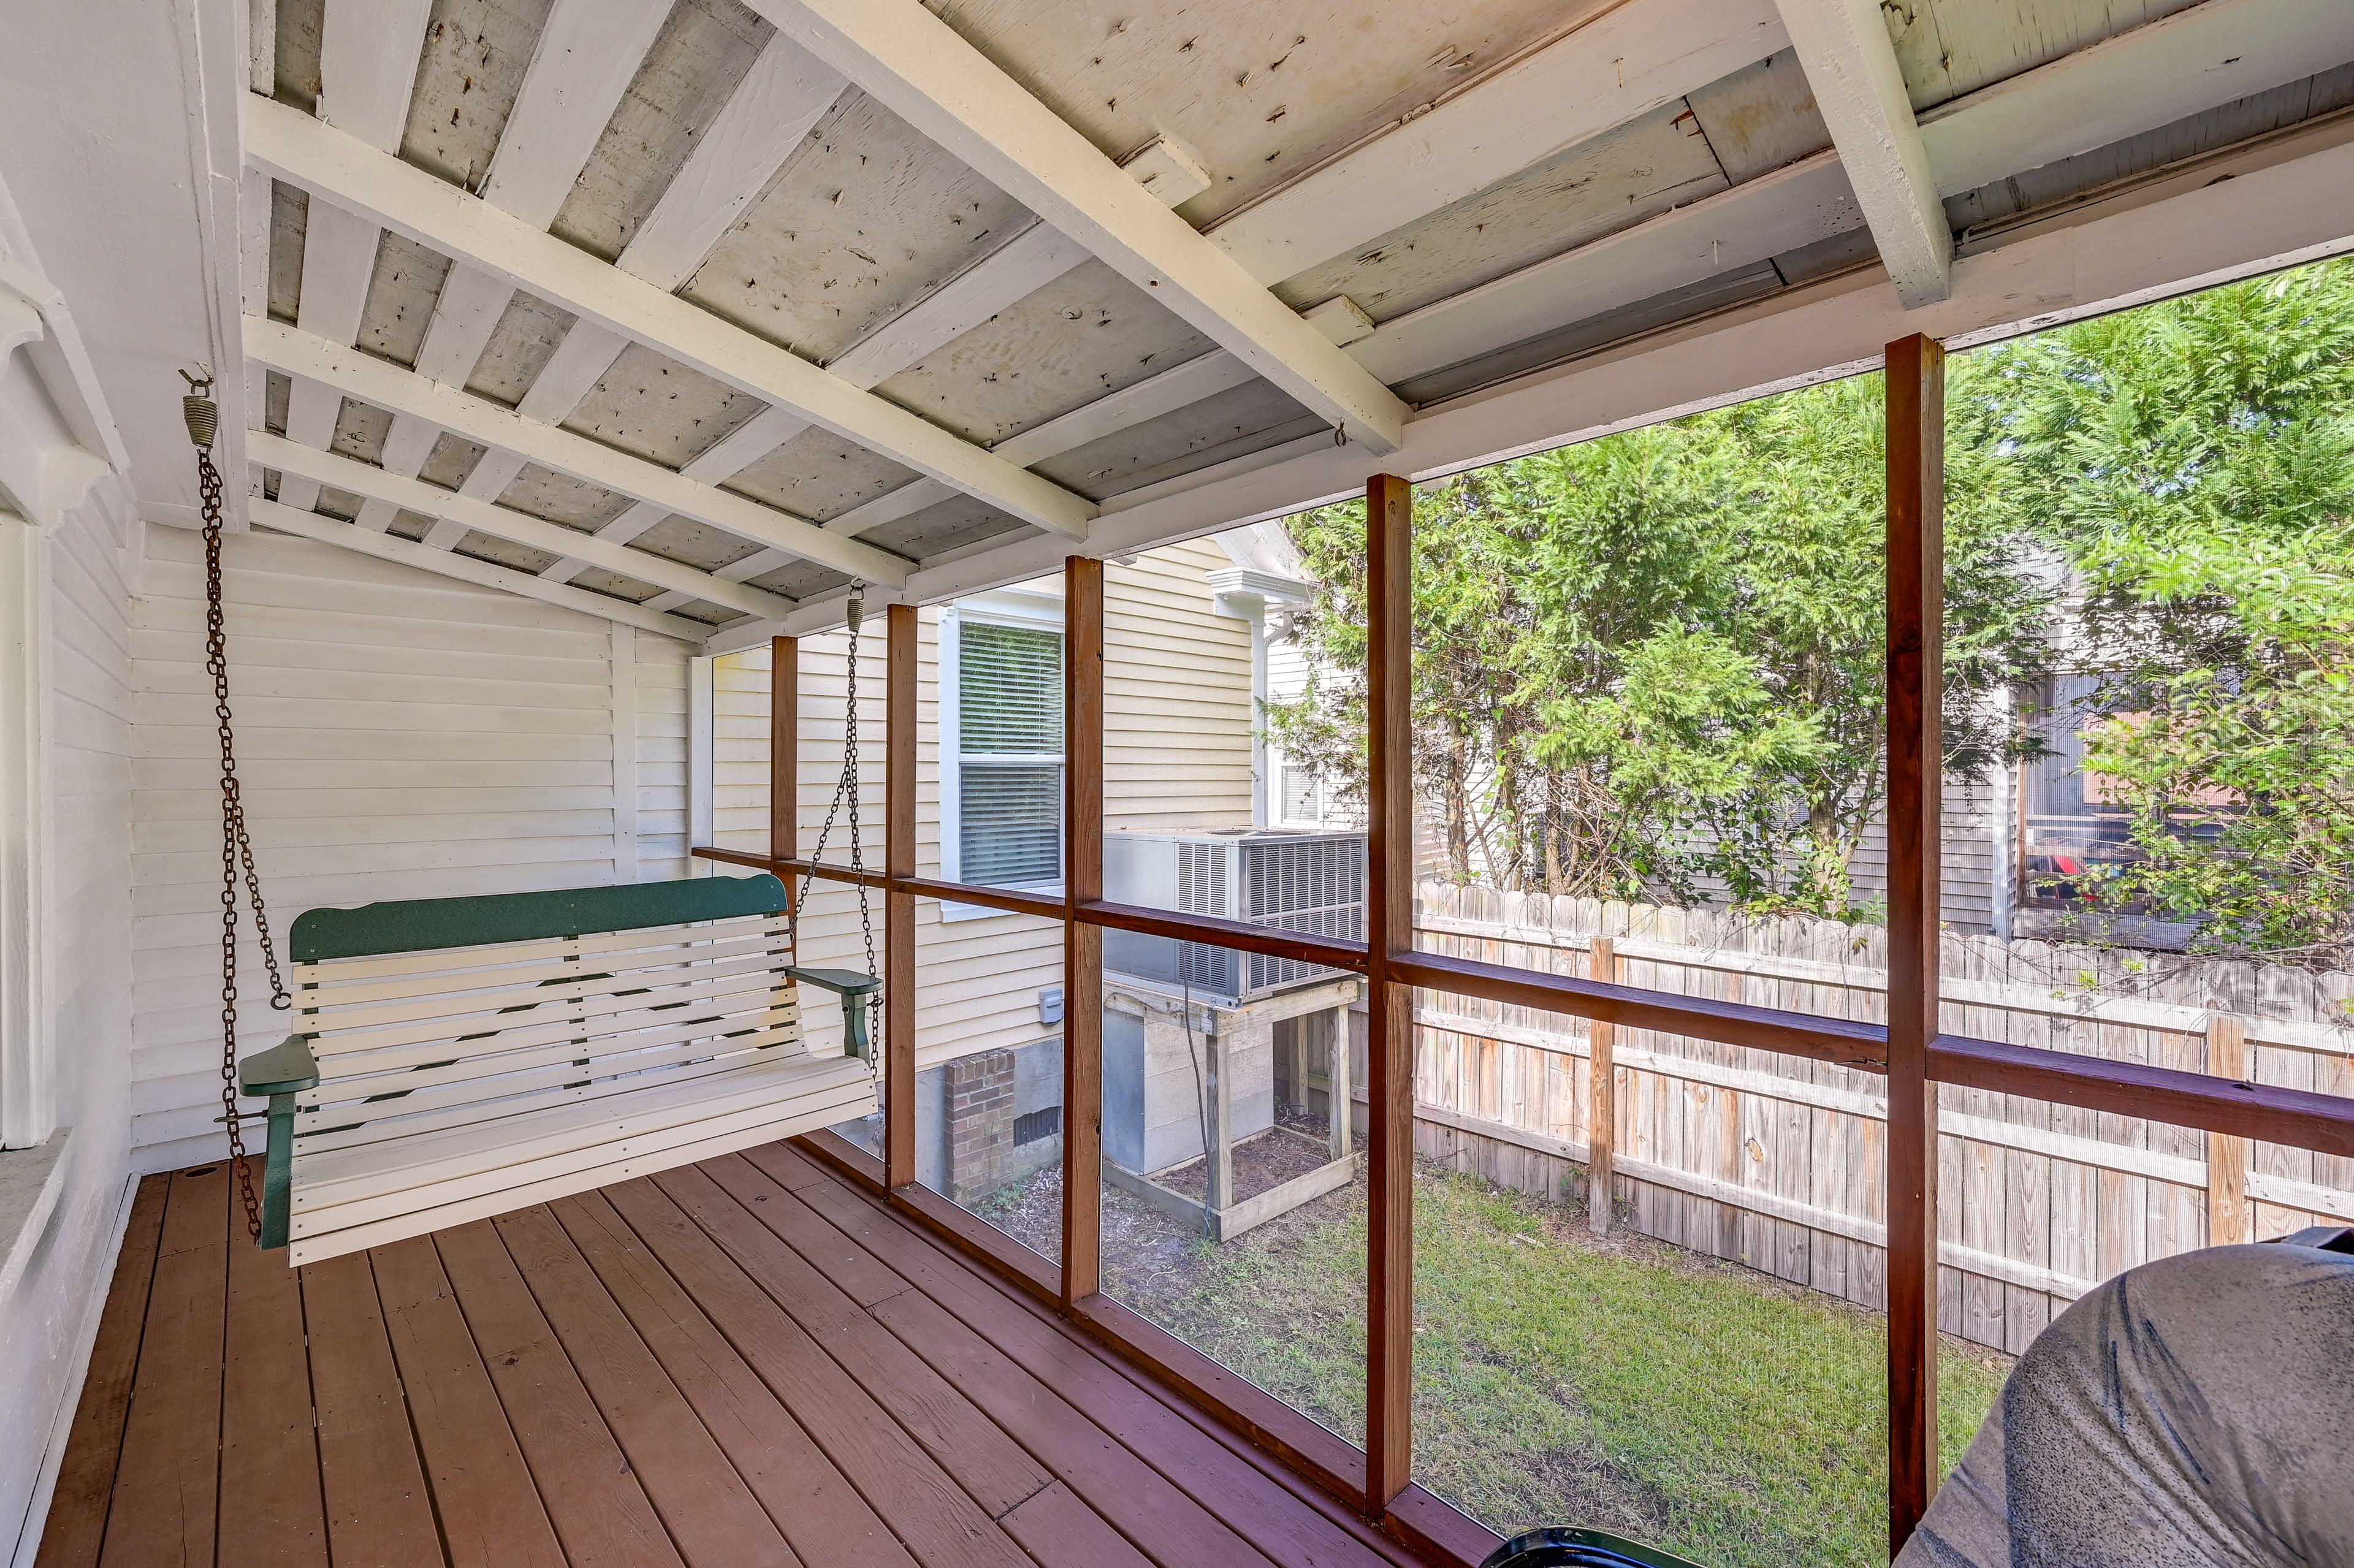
(400, 736)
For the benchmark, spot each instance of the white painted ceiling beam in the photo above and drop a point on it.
(780, 100)
(387, 386)
(588, 50)
(298, 148)
(338, 255)
(470, 515)
(1615, 69)
(368, 55)
(466, 569)
(1850, 62)
(2135, 81)
(922, 70)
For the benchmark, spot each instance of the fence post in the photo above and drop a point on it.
(1601, 1094)
(2229, 1218)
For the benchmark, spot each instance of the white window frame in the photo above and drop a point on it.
(1031, 611)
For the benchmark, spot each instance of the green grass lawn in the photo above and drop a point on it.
(1628, 1385)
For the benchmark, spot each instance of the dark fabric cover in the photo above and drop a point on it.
(2195, 1410)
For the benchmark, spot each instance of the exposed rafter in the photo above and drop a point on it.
(922, 70)
(363, 480)
(465, 568)
(1844, 48)
(1616, 67)
(301, 150)
(433, 403)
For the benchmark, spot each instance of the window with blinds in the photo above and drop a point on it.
(1009, 753)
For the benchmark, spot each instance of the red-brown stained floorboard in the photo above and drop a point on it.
(821, 1513)
(491, 1516)
(378, 1509)
(272, 1514)
(745, 1361)
(712, 1516)
(165, 1499)
(77, 1527)
(600, 1510)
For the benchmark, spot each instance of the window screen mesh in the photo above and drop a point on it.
(1012, 821)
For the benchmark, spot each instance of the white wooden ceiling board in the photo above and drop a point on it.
(470, 512)
(493, 475)
(747, 444)
(402, 292)
(780, 99)
(260, 48)
(414, 203)
(694, 64)
(819, 475)
(368, 67)
(476, 54)
(1949, 47)
(584, 356)
(465, 316)
(295, 52)
(1860, 87)
(1257, 93)
(2131, 83)
(1083, 335)
(1616, 69)
(443, 563)
(1614, 180)
(586, 53)
(338, 254)
(519, 347)
(653, 408)
(503, 430)
(1760, 118)
(696, 544)
(945, 88)
(866, 218)
(1793, 207)
(1173, 388)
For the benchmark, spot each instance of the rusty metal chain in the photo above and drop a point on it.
(846, 788)
(237, 847)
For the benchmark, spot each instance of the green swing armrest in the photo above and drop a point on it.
(286, 1068)
(284, 1071)
(853, 988)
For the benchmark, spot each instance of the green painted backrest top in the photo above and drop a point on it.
(421, 925)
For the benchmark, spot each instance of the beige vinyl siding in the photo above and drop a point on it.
(1177, 694)
(1177, 753)
(400, 735)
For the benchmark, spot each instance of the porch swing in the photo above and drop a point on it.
(463, 1057)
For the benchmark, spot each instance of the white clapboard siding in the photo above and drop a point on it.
(400, 736)
(1177, 753)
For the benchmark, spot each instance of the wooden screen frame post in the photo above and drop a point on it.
(1916, 390)
(899, 907)
(784, 751)
(1389, 928)
(2230, 1217)
(1083, 748)
(1602, 1095)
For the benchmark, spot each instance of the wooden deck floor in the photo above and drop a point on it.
(741, 1363)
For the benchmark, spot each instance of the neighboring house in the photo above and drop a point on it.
(1187, 657)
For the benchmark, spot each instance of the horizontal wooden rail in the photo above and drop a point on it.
(2298, 1118)
(1334, 952)
(1843, 1041)
(2324, 1123)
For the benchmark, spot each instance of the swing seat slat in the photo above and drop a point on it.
(463, 1057)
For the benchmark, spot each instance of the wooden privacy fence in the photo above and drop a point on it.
(1777, 1161)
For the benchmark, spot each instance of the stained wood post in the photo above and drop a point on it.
(2230, 1216)
(1915, 384)
(784, 750)
(1389, 1077)
(1218, 1158)
(899, 909)
(1083, 728)
(1602, 1091)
